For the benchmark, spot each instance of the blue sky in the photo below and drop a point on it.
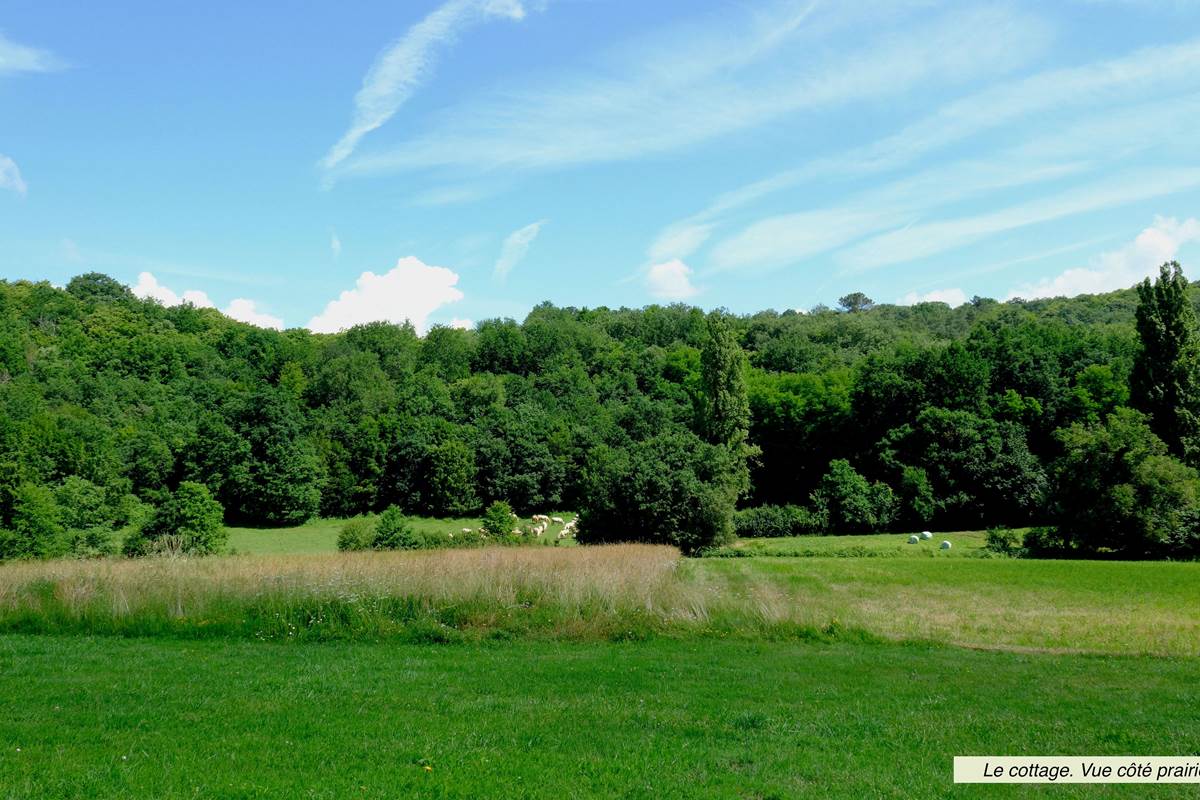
(456, 160)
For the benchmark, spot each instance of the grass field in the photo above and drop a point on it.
(164, 718)
(617, 671)
(875, 545)
(320, 535)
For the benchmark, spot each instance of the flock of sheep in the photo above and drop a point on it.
(541, 524)
(915, 539)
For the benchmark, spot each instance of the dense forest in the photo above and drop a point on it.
(1079, 415)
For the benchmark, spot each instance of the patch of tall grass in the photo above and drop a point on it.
(614, 592)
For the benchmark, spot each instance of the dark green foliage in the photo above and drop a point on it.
(189, 522)
(1003, 541)
(662, 415)
(850, 502)
(671, 489)
(1166, 371)
(34, 530)
(777, 521)
(393, 531)
(1119, 491)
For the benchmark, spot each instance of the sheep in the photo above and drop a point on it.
(913, 539)
(926, 535)
(466, 530)
(540, 518)
(945, 546)
(557, 520)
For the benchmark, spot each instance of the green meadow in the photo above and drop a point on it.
(292, 670)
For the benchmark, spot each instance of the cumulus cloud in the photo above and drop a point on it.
(951, 297)
(10, 176)
(1121, 268)
(241, 309)
(515, 247)
(671, 280)
(405, 64)
(411, 290)
(464, 324)
(245, 310)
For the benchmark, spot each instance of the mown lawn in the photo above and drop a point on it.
(1090, 606)
(165, 718)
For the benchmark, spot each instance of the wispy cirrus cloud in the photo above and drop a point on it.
(1147, 96)
(516, 247)
(927, 239)
(704, 80)
(16, 57)
(407, 63)
(10, 176)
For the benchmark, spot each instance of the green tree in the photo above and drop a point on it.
(189, 522)
(726, 405)
(35, 531)
(673, 488)
(498, 521)
(1118, 490)
(1165, 383)
(451, 479)
(393, 531)
(850, 502)
(855, 302)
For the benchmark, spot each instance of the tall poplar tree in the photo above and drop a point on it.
(1165, 383)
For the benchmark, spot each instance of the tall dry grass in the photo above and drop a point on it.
(612, 591)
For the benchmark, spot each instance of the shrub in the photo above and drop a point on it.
(36, 532)
(357, 534)
(1045, 542)
(393, 532)
(189, 522)
(498, 521)
(851, 502)
(670, 489)
(769, 520)
(1003, 540)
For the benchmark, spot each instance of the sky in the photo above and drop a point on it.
(328, 164)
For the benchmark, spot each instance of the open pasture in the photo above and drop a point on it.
(617, 592)
(872, 545)
(320, 535)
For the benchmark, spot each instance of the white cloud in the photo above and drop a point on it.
(10, 176)
(918, 241)
(464, 324)
(21, 58)
(515, 246)
(1119, 269)
(245, 310)
(241, 309)
(335, 245)
(679, 241)
(951, 297)
(694, 83)
(671, 280)
(411, 291)
(405, 64)
(1127, 81)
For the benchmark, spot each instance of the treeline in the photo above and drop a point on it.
(1080, 414)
